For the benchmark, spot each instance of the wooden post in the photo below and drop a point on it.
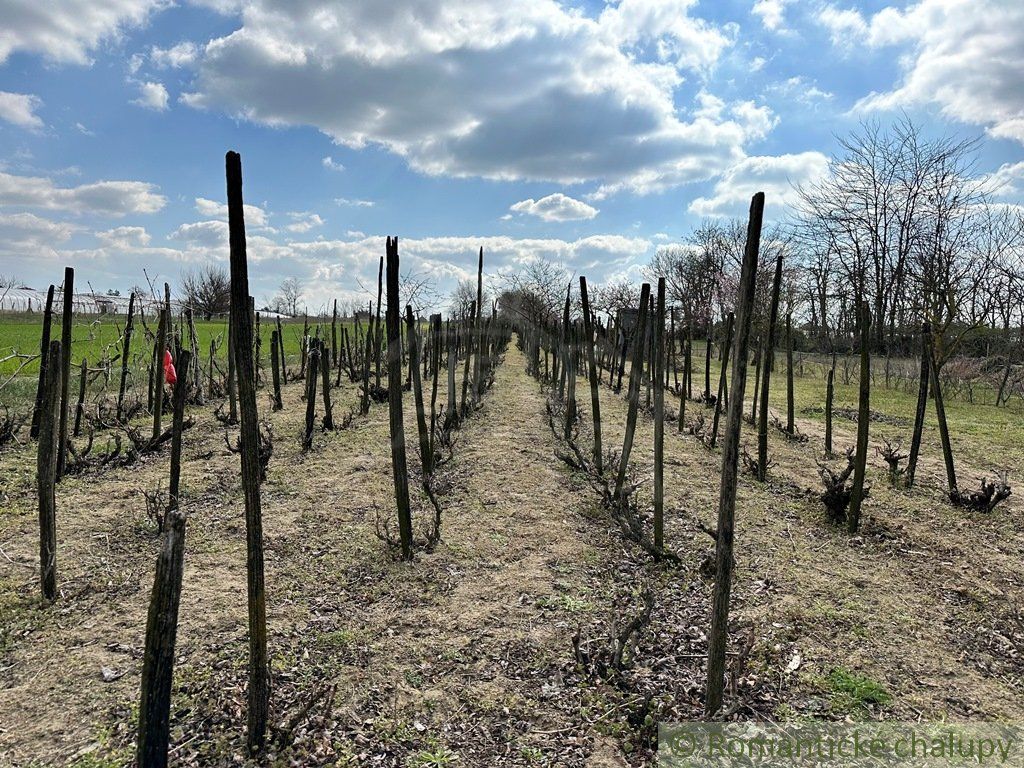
(863, 419)
(453, 356)
(334, 337)
(376, 326)
(312, 370)
(241, 331)
(275, 364)
(46, 471)
(940, 415)
(80, 405)
(65, 368)
(158, 373)
(417, 389)
(922, 403)
(468, 348)
(162, 622)
(633, 395)
(569, 366)
(758, 355)
(595, 397)
(658, 374)
(325, 385)
(477, 339)
(830, 391)
(44, 353)
(790, 422)
(364, 403)
(720, 400)
(707, 361)
(397, 423)
(280, 348)
(718, 636)
(766, 376)
(232, 382)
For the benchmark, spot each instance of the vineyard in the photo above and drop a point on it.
(523, 534)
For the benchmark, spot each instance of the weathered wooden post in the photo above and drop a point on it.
(863, 418)
(718, 636)
(569, 366)
(312, 371)
(453, 356)
(65, 368)
(232, 382)
(162, 623)
(46, 471)
(633, 394)
(730, 321)
(158, 376)
(469, 353)
(275, 364)
(80, 405)
(435, 329)
(922, 403)
(241, 330)
(790, 422)
(44, 352)
(477, 330)
(830, 391)
(595, 397)
(376, 326)
(707, 360)
(398, 464)
(766, 375)
(658, 374)
(325, 385)
(940, 417)
(417, 390)
(334, 337)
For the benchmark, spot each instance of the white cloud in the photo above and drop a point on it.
(83, 130)
(965, 57)
(202, 234)
(556, 207)
(254, 215)
(772, 13)
(354, 203)
(124, 237)
(152, 96)
(181, 55)
(304, 221)
(24, 234)
(486, 88)
(20, 109)
(802, 90)
(108, 198)
(68, 30)
(1005, 181)
(776, 176)
(330, 164)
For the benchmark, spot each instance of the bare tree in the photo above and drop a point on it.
(207, 290)
(288, 295)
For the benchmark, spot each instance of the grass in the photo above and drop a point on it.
(850, 691)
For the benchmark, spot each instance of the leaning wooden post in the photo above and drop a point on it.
(162, 623)
(312, 370)
(766, 376)
(126, 347)
(158, 378)
(790, 422)
(241, 331)
(397, 423)
(922, 404)
(730, 321)
(863, 417)
(940, 417)
(595, 397)
(80, 405)
(65, 368)
(719, 634)
(44, 352)
(658, 374)
(275, 364)
(46, 471)
(417, 390)
(633, 395)
(325, 385)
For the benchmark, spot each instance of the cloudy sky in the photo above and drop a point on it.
(585, 131)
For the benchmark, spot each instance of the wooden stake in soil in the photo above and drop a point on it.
(241, 330)
(312, 370)
(417, 389)
(162, 622)
(790, 423)
(398, 464)
(275, 364)
(595, 397)
(830, 391)
(863, 418)
(722, 380)
(633, 394)
(65, 369)
(46, 471)
(158, 378)
(325, 385)
(719, 634)
(44, 353)
(922, 403)
(477, 339)
(80, 405)
(766, 376)
(658, 374)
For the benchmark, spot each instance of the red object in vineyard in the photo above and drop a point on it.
(170, 375)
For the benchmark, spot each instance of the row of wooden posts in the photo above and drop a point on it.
(476, 340)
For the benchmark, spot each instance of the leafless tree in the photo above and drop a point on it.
(207, 290)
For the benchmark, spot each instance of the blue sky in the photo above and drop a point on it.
(587, 132)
